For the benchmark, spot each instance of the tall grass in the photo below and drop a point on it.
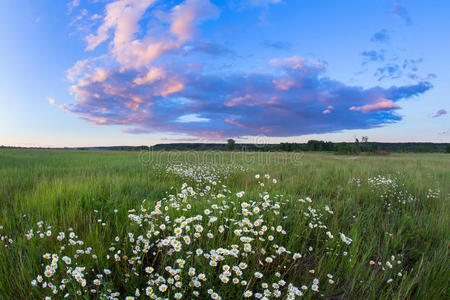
(77, 188)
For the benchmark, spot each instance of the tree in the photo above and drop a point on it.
(448, 148)
(364, 145)
(314, 145)
(231, 144)
(345, 149)
(356, 146)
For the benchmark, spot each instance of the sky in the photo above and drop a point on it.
(142, 72)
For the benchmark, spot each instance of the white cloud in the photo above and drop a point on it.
(191, 118)
(51, 101)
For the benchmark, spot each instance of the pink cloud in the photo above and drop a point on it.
(383, 104)
(128, 87)
(186, 14)
(122, 20)
(233, 121)
(171, 88)
(99, 75)
(328, 110)
(157, 106)
(132, 105)
(209, 134)
(79, 68)
(284, 83)
(123, 16)
(237, 100)
(439, 113)
(153, 74)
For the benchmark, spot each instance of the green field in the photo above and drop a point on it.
(374, 227)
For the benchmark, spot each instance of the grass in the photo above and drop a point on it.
(75, 189)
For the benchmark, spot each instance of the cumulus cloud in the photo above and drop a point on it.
(216, 106)
(187, 14)
(440, 113)
(123, 17)
(138, 85)
(153, 74)
(121, 23)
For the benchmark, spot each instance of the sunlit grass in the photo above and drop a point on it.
(388, 206)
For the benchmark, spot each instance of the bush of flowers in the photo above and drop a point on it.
(203, 240)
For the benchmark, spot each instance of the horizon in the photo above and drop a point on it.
(206, 143)
(81, 73)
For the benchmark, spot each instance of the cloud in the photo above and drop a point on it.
(401, 12)
(389, 66)
(122, 17)
(440, 113)
(391, 71)
(381, 36)
(372, 55)
(147, 81)
(187, 14)
(82, 67)
(216, 106)
(191, 118)
(51, 101)
(299, 63)
(153, 74)
(121, 23)
(73, 4)
(379, 105)
(83, 22)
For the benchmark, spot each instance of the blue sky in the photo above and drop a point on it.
(94, 72)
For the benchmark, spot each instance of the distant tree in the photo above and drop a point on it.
(287, 147)
(356, 146)
(314, 145)
(345, 149)
(231, 144)
(364, 146)
(420, 148)
(374, 148)
(448, 148)
(328, 146)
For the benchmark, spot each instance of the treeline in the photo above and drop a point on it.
(312, 145)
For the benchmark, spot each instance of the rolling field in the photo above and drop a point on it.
(106, 224)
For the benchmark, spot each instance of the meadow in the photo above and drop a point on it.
(221, 225)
